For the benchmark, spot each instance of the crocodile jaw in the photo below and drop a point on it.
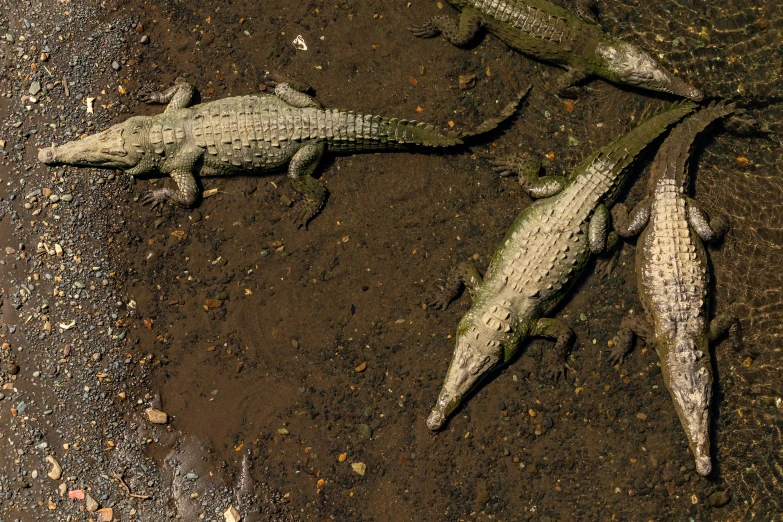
(473, 359)
(105, 149)
(635, 67)
(687, 376)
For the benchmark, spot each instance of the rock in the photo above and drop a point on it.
(12, 369)
(144, 40)
(283, 431)
(232, 515)
(212, 303)
(116, 65)
(156, 416)
(359, 467)
(91, 503)
(364, 430)
(641, 416)
(57, 471)
(720, 498)
(342, 457)
(10, 250)
(482, 497)
(668, 473)
(467, 81)
(361, 367)
(35, 88)
(105, 515)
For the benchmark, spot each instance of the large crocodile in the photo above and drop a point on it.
(673, 280)
(550, 33)
(247, 134)
(540, 258)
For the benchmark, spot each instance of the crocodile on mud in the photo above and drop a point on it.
(673, 281)
(552, 34)
(247, 134)
(542, 255)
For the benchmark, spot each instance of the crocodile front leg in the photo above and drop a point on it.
(527, 169)
(706, 229)
(292, 92)
(566, 87)
(629, 225)
(632, 325)
(300, 171)
(462, 274)
(180, 168)
(563, 335)
(178, 96)
(469, 25)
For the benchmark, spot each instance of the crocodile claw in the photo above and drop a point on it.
(616, 356)
(156, 197)
(309, 209)
(556, 371)
(438, 302)
(425, 30)
(150, 97)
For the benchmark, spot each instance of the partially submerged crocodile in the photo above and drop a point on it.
(247, 134)
(673, 280)
(540, 258)
(550, 33)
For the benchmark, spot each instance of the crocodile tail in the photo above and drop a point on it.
(675, 150)
(508, 111)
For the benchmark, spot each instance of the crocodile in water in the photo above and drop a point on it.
(550, 33)
(673, 281)
(540, 258)
(246, 134)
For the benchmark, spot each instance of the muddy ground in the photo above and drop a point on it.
(305, 354)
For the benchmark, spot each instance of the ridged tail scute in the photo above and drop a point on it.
(621, 152)
(492, 123)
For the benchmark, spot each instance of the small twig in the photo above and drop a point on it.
(65, 85)
(128, 491)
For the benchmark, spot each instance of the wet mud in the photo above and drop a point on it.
(297, 367)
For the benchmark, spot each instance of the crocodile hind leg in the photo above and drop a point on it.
(178, 96)
(459, 35)
(708, 230)
(462, 274)
(300, 171)
(527, 169)
(630, 326)
(291, 91)
(563, 335)
(630, 225)
(724, 323)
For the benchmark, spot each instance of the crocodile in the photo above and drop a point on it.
(248, 134)
(541, 256)
(673, 282)
(549, 33)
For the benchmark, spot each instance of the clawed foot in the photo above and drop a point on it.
(151, 97)
(556, 371)
(156, 197)
(309, 208)
(616, 356)
(605, 265)
(515, 164)
(438, 301)
(425, 30)
(273, 78)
